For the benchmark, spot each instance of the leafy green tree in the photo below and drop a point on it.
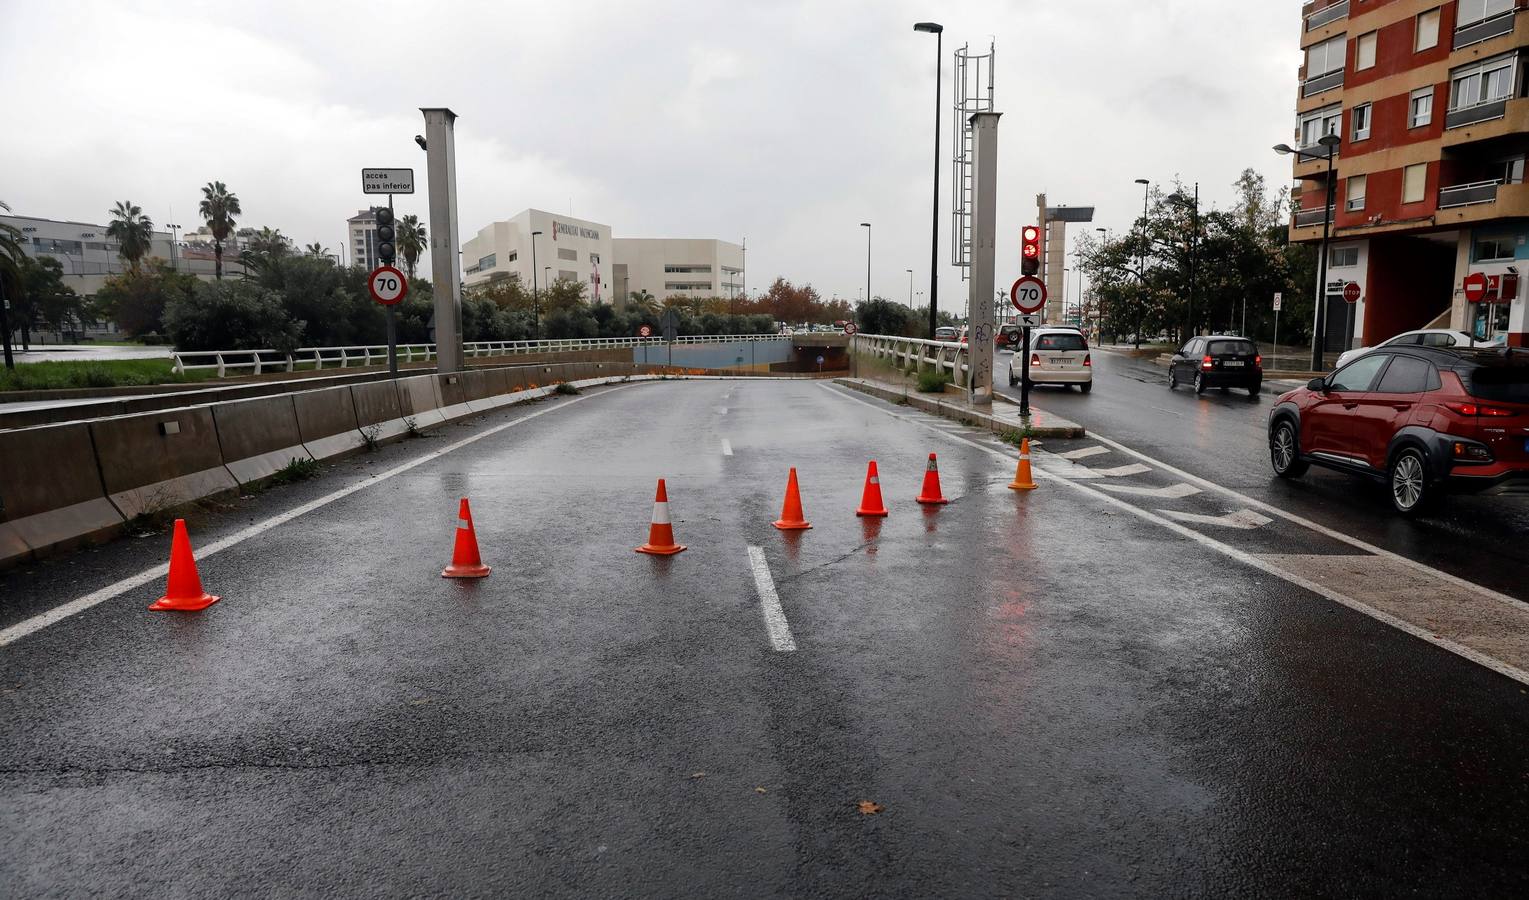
(219, 209)
(132, 231)
(137, 301)
(563, 294)
(46, 300)
(318, 251)
(234, 315)
(883, 316)
(409, 238)
(642, 302)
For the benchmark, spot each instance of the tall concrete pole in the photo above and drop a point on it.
(979, 302)
(445, 271)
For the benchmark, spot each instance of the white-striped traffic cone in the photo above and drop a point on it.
(661, 532)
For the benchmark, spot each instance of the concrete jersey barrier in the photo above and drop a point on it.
(151, 462)
(326, 422)
(418, 400)
(378, 412)
(51, 495)
(258, 437)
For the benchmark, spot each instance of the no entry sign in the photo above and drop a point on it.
(388, 286)
(849, 328)
(1476, 285)
(1351, 292)
(1028, 294)
(645, 331)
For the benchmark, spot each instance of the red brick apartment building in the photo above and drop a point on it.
(1429, 99)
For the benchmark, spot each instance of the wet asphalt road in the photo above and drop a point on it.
(589, 721)
(1223, 437)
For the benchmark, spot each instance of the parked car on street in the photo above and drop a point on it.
(1057, 356)
(1423, 420)
(1423, 337)
(1220, 361)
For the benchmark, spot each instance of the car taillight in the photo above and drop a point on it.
(1258, 361)
(1476, 409)
(1088, 359)
(1207, 363)
(1035, 359)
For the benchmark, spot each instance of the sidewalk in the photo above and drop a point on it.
(1002, 417)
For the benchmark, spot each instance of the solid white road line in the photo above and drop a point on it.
(73, 607)
(1461, 650)
(1171, 492)
(1085, 453)
(727, 447)
(1244, 519)
(769, 602)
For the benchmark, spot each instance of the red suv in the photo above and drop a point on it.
(1423, 420)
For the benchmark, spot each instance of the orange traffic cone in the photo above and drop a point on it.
(1022, 479)
(465, 562)
(661, 532)
(870, 501)
(931, 494)
(791, 513)
(184, 590)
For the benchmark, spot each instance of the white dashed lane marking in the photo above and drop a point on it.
(1084, 453)
(1243, 519)
(769, 603)
(1171, 492)
(727, 447)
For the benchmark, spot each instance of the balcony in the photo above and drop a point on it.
(1331, 13)
(1469, 194)
(1305, 218)
(1320, 83)
(1481, 112)
(1487, 29)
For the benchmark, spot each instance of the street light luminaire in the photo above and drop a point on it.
(930, 27)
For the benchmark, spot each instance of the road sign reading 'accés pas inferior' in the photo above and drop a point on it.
(387, 285)
(387, 181)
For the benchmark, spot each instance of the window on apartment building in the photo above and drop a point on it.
(1361, 121)
(1513, 170)
(1356, 186)
(489, 261)
(1427, 31)
(1484, 82)
(687, 285)
(565, 253)
(1326, 57)
(1493, 249)
(1414, 183)
(1342, 257)
(514, 255)
(1473, 11)
(565, 275)
(687, 270)
(1327, 120)
(1364, 52)
(1420, 111)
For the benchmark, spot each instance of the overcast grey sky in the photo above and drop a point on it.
(786, 122)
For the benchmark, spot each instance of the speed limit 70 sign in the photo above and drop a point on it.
(388, 286)
(1028, 294)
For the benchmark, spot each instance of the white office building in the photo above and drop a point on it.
(678, 267)
(87, 255)
(565, 248)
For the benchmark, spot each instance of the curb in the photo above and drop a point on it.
(1042, 424)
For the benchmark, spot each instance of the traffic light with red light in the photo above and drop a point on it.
(1030, 251)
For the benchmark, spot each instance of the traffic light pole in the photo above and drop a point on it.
(392, 316)
(1024, 376)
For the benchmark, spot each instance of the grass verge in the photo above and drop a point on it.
(105, 373)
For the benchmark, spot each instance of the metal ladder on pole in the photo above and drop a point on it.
(973, 94)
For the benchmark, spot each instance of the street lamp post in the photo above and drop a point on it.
(910, 288)
(1141, 281)
(1330, 143)
(1194, 243)
(937, 30)
(867, 227)
(536, 315)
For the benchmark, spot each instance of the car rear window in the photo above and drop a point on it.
(1060, 342)
(1505, 383)
(1231, 348)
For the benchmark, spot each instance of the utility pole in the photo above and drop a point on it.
(979, 306)
(445, 268)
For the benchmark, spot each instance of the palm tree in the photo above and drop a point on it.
(10, 273)
(317, 249)
(643, 302)
(270, 242)
(132, 231)
(409, 238)
(219, 209)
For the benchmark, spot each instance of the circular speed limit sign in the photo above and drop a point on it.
(849, 328)
(1028, 294)
(388, 286)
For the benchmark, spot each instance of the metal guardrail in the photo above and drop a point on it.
(1305, 218)
(942, 356)
(1331, 13)
(259, 361)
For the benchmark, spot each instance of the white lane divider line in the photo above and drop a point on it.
(1124, 471)
(1270, 565)
(769, 602)
(1242, 519)
(1085, 453)
(74, 607)
(727, 447)
(1171, 492)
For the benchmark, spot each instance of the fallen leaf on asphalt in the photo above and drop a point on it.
(760, 790)
(868, 808)
(418, 702)
(698, 775)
